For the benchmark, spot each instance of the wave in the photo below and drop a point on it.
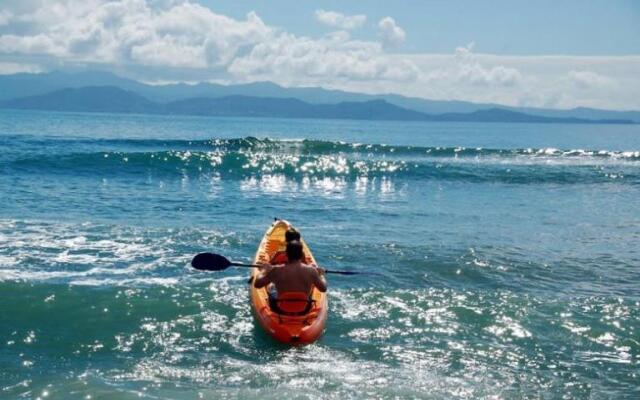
(300, 159)
(320, 147)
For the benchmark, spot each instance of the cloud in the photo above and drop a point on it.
(338, 20)
(390, 33)
(5, 17)
(542, 81)
(180, 40)
(183, 34)
(8, 68)
(36, 44)
(464, 52)
(476, 74)
(469, 69)
(334, 58)
(588, 79)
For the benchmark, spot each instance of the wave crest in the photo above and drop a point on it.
(300, 159)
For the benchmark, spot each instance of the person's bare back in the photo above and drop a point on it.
(294, 276)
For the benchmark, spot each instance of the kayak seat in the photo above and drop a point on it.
(292, 303)
(279, 257)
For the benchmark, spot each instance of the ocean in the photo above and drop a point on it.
(508, 253)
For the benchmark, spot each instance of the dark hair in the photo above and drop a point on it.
(294, 251)
(291, 234)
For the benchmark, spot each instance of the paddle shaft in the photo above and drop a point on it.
(328, 271)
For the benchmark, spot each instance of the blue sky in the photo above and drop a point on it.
(552, 54)
(567, 27)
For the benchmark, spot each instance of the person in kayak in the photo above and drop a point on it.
(280, 257)
(293, 276)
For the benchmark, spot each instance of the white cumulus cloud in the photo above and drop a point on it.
(536, 81)
(390, 33)
(181, 40)
(182, 34)
(469, 69)
(7, 68)
(588, 79)
(339, 20)
(299, 60)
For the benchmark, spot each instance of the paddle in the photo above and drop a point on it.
(216, 262)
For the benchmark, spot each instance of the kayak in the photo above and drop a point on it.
(292, 328)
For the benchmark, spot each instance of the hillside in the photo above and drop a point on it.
(116, 100)
(26, 85)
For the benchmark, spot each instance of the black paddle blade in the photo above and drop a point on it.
(210, 262)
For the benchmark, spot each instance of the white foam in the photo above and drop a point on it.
(126, 282)
(90, 254)
(506, 326)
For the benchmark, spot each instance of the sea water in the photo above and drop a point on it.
(509, 256)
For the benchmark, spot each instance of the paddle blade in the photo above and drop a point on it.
(210, 262)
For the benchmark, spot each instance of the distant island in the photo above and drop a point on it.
(105, 92)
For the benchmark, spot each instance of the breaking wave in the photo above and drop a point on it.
(315, 159)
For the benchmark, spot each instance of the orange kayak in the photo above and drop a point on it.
(292, 329)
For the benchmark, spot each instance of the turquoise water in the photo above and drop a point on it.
(509, 255)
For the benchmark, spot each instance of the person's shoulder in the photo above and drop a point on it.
(310, 267)
(275, 267)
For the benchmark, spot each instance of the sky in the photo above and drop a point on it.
(552, 54)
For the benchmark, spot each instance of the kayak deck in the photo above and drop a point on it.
(284, 328)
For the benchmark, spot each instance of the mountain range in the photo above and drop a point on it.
(96, 91)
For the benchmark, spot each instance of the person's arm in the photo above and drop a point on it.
(318, 279)
(264, 278)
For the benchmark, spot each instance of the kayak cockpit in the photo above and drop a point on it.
(292, 303)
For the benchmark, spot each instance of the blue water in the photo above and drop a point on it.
(509, 256)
